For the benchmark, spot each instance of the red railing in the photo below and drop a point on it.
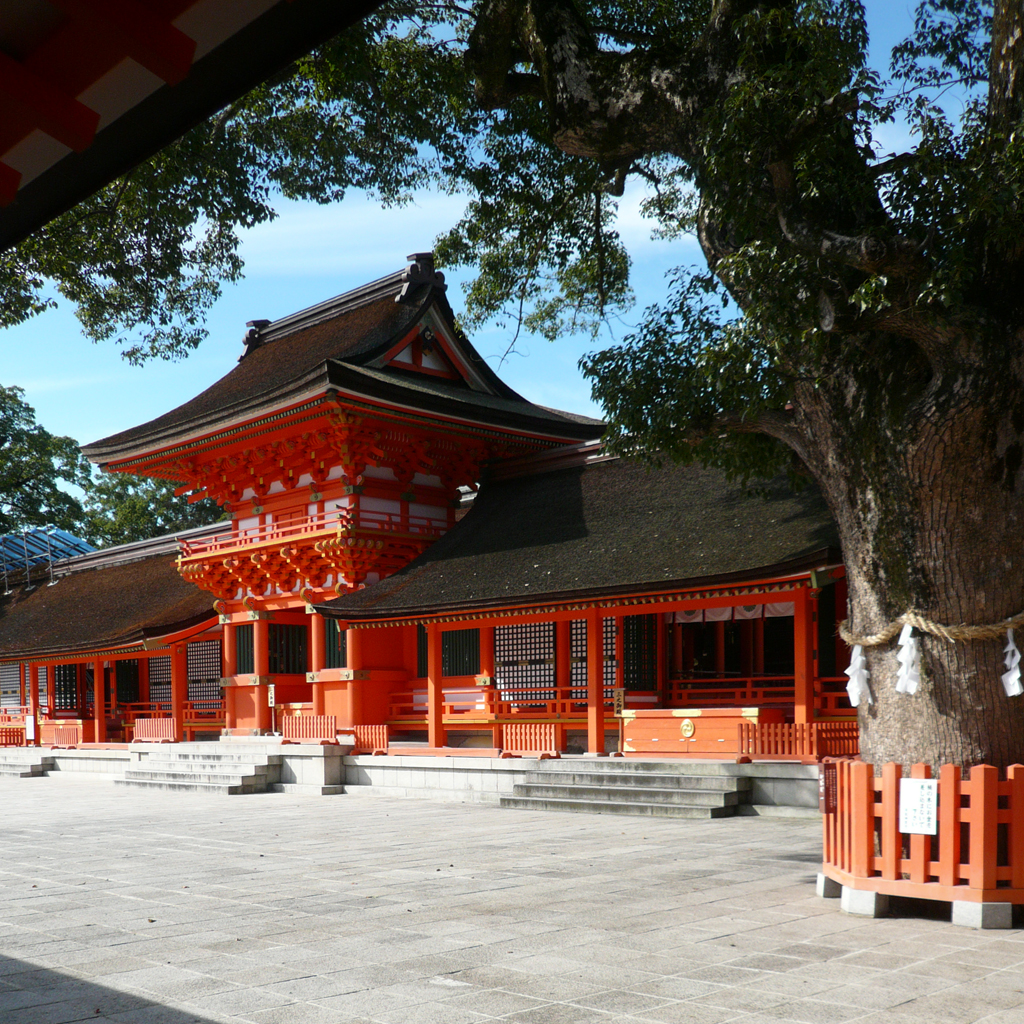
(54, 735)
(754, 691)
(322, 522)
(14, 713)
(976, 855)
(787, 741)
(488, 702)
(12, 736)
(320, 728)
(370, 739)
(540, 738)
(155, 730)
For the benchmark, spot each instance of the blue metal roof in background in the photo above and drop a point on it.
(38, 547)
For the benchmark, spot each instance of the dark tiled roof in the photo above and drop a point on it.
(100, 608)
(299, 355)
(610, 527)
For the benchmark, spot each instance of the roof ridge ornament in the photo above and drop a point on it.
(419, 272)
(252, 339)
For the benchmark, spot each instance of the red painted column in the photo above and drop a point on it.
(51, 690)
(317, 658)
(803, 656)
(487, 651)
(435, 690)
(179, 688)
(99, 703)
(356, 662)
(229, 659)
(261, 666)
(32, 690)
(595, 684)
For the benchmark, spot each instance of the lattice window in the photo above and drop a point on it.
(160, 680)
(524, 658)
(204, 660)
(204, 692)
(65, 690)
(287, 649)
(42, 685)
(126, 674)
(578, 657)
(640, 652)
(10, 686)
(337, 645)
(245, 651)
(611, 663)
(460, 652)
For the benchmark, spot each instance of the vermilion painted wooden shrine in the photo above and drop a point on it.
(421, 558)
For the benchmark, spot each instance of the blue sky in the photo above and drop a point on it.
(311, 253)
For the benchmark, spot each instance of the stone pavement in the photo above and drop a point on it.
(169, 908)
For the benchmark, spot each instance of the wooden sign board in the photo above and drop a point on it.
(619, 698)
(828, 788)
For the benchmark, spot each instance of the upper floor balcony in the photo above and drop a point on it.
(295, 551)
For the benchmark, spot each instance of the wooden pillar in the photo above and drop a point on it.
(99, 703)
(487, 651)
(261, 669)
(595, 684)
(229, 649)
(179, 687)
(356, 662)
(51, 690)
(317, 658)
(803, 656)
(32, 691)
(435, 690)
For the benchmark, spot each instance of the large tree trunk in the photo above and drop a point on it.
(922, 472)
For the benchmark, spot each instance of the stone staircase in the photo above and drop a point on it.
(24, 763)
(203, 768)
(665, 790)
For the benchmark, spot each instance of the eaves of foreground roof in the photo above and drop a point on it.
(608, 527)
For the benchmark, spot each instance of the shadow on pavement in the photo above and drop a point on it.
(30, 994)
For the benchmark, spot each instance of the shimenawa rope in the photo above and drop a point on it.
(995, 631)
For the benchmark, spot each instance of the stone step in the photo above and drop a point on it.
(647, 780)
(630, 766)
(624, 794)
(167, 754)
(222, 767)
(602, 807)
(250, 782)
(191, 787)
(14, 770)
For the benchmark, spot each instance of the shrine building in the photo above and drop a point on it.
(416, 558)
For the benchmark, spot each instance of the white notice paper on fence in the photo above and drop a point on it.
(919, 804)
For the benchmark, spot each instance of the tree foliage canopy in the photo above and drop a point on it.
(33, 466)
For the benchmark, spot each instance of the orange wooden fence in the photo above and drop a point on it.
(155, 730)
(53, 735)
(976, 856)
(537, 738)
(789, 741)
(12, 736)
(310, 728)
(370, 739)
